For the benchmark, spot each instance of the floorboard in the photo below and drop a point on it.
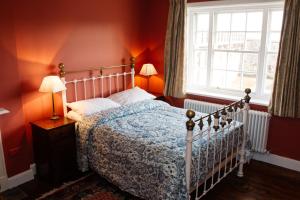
(262, 181)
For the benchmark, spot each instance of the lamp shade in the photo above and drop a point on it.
(52, 84)
(148, 70)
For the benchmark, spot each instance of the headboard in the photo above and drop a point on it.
(93, 83)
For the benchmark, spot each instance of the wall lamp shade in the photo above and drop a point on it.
(52, 84)
(148, 70)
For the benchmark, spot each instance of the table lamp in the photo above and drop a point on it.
(148, 70)
(52, 84)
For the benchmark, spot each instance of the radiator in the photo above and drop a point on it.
(258, 122)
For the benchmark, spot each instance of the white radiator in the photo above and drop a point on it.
(258, 122)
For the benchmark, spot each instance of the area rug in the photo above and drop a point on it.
(89, 187)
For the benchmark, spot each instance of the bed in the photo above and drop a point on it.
(154, 151)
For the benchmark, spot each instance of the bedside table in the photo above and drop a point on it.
(165, 99)
(54, 149)
(156, 94)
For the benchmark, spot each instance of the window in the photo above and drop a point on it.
(230, 48)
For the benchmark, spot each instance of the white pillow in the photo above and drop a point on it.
(91, 106)
(131, 96)
(74, 115)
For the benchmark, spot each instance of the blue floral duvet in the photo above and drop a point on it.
(140, 148)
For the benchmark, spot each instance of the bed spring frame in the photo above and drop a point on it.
(217, 122)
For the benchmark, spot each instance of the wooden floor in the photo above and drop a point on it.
(261, 182)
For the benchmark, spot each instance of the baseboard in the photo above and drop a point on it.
(3, 183)
(278, 160)
(14, 181)
(33, 168)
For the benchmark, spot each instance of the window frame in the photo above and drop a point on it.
(213, 7)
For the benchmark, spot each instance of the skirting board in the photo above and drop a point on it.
(278, 160)
(14, 181)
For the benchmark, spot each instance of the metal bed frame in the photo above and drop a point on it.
(210, 126)
(97, 76)
(223, 119)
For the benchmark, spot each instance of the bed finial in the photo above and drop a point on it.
(216, 121)
(247, 97)
(132, 62)
(190, 123)
(62, 72)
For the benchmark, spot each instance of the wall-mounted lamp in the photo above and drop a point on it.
(148, 70)
(52, 84)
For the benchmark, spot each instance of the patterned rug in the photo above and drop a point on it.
(90, 187)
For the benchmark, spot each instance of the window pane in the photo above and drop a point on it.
(218, 78)
(196, 77)
(197, 73)
(202, 22)
(200, 59)
(201, 39)
(223, 21)
(250, 62)
(276, 20)
(222, 40)
(270, 72)
(253, 41)
(237, 40)
(238, 22)
(235, 61)
(254, 21)
(220, 60)
(233, 80)
(274, 39)
(249, 80)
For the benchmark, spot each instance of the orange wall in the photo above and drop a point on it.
(15, 141)
(36, 36)
(153, 27)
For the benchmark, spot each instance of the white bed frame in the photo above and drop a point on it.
(235, 156)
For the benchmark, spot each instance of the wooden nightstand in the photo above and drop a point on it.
(156, 94)
(161, 97)
(54, 149)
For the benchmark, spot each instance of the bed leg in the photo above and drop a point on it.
(245, 130)
(188, 152)
(241, 165)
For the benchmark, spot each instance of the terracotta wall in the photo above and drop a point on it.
(284, 133)
(15, 143)
(36, 36)
(153, 37)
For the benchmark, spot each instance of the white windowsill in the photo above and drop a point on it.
(254, 100)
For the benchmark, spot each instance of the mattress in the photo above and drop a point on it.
(140, 148)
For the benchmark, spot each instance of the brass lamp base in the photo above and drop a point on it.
(55, 117)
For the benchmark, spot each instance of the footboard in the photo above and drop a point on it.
(221, 149)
